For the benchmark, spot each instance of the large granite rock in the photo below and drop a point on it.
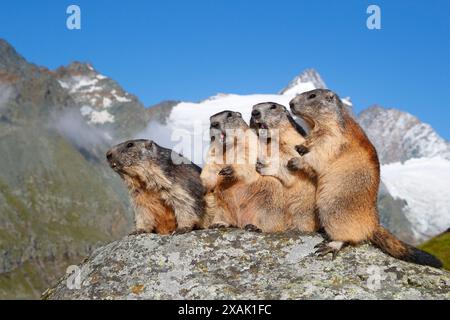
(234, 264)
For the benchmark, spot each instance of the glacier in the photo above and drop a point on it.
(424, 183)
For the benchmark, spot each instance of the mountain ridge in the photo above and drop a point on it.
(50, 131)
(309, 77)
(399, 136)
(54, 185)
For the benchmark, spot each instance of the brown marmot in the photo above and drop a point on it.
(165, 187)
(280, 134)
(348, 175)
(237, 196)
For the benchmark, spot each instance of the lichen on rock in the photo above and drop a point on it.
(234, 264)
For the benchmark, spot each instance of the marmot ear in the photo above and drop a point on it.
(148, 144)
(330, 97)
(239, 114)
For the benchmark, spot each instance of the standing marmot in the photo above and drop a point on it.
(167, 195)
(236, 194)
(348, 176)
(283, 133)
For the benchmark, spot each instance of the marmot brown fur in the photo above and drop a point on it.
(348, 175)
(280, 134)
(165, 188)
(237, 196)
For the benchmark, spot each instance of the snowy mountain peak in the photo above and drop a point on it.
(95, 92)
(399, 136)
(308, 80)
(77, 68)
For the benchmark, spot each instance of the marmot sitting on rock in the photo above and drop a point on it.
(346, 165)
(278, 130)
(165, 188)
(237, 196)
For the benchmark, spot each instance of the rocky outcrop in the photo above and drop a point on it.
(234, 264)
(160, 112)
(399, 136)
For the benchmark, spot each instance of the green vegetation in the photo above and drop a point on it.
(440, 247)
(56, 207)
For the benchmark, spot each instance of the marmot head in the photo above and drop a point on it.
(318, 106)
(225, 126)
(270, 115)
(133, 156)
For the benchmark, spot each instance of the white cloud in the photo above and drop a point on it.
(71, 124)
(157, 132)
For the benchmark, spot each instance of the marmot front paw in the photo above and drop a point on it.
(259, 167)
(227, 171)
(302, 149)
(220, 226)
(252, 228)
(294, 164)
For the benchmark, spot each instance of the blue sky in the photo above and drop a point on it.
(191, 50)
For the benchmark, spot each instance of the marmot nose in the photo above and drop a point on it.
(215, 124)
(292, 104)
(109, 155)
(256, 113)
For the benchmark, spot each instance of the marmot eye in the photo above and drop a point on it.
(229, 115)
(130, 144)
(311, 96)
(273, 107)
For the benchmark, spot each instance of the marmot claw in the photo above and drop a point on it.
(301, 149)
(259, 166)
(293, 164)
(326, 247)
(218, 226)
(227, 171)
(252, 228)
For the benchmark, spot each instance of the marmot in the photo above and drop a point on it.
(237, 196)
(165, 188)
(348, 175)
(274, 123)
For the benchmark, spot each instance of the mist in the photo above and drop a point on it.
(71, 124)
(6, 92)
